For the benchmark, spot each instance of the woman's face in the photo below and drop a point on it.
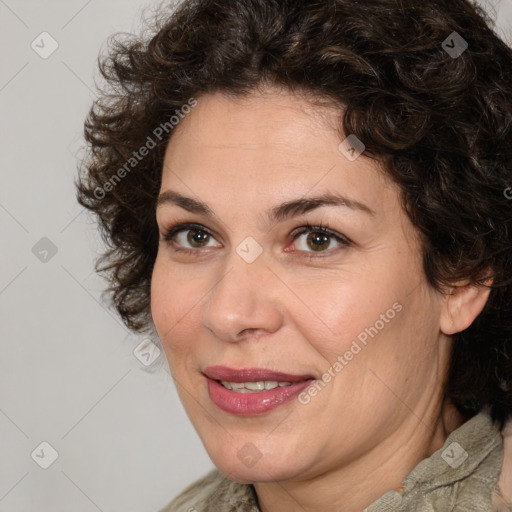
(251, 287)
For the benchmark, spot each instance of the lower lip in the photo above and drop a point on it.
(251, 404)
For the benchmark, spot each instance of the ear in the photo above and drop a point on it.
(463, 303)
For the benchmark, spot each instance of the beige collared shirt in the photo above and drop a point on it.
(460, 477)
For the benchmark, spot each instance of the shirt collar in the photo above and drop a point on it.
(476, 446)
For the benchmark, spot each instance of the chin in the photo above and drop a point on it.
(260, 471)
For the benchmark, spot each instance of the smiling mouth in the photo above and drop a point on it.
(252, 379)
(252, 391)
(253, 387)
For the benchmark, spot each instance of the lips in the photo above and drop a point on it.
(251, 375)
(255, 402)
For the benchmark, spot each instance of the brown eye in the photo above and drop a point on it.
(318, 239)
(197, 238)
(189, 237)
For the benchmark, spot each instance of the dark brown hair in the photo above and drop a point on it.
(438, 115)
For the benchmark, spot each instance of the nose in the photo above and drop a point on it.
(244, 302)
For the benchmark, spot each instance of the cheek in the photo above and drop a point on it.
(346, 311)
(177, 300)
(169, 303)
(160, 298)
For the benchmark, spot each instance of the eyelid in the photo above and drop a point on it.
(171, 232)
(176, 228)
(321, 229)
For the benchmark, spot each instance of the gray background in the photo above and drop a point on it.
(68, 373)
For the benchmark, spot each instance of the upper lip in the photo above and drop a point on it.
(251, 375)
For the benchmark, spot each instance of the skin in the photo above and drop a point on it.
(296, 309)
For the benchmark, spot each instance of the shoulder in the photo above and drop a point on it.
(212, 492)
(461, 475)
(195, 492)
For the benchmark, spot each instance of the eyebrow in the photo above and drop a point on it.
(286, 210)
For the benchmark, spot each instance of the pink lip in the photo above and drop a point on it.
(251, 374)
(251, 404)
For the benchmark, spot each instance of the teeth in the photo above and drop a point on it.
(236, 385)
(255, 386)
(252, 387)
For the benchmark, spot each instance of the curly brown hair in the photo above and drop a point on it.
(438, 115)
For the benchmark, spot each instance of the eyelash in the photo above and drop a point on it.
(319, 228)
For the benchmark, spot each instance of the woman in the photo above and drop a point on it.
(307, 203)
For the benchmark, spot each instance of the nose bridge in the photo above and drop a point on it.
(241, 299)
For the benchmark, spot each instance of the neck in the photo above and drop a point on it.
(355, 486)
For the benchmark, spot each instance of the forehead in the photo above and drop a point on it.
(275, 144)
(271, 119)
